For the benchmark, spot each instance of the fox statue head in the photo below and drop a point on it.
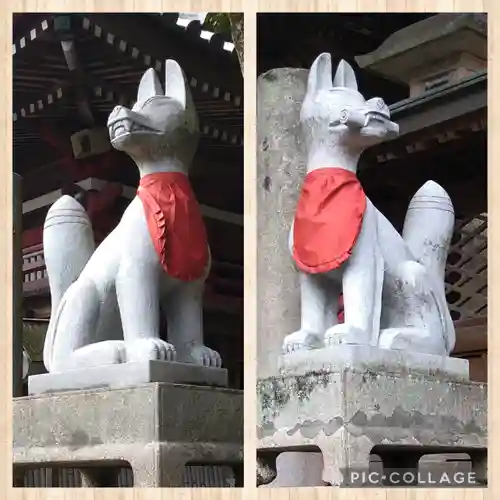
(335, 114)
(161, 125)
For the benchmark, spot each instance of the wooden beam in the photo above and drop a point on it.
(472, 335)
(79, 81)
(440, 106)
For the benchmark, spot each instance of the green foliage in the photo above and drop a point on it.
(218, 22)
(229, 25)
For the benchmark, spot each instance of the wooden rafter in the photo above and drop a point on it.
(106, 92)
(140, 43)
(27, 39)
(77, 75)
(113, 93)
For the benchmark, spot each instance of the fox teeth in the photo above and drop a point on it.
(119, 129)
(138, 127)
(374, 115)
(125, 126)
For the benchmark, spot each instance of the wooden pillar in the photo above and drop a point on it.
(17, 297)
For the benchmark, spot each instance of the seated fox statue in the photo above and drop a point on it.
(106, 300)
(392, 285)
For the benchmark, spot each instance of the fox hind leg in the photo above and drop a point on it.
(74, 343)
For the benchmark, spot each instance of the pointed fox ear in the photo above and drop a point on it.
(320, 74)
(150, 86)
(345, 77)
(175, 84)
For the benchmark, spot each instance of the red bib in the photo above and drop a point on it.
(175, 224)
(328, 219)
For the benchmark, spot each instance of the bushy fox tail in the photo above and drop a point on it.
(68, 244)
(427, 230)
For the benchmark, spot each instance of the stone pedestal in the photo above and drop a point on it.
(156, 429)
(355, 401)
(298, 470)
(281, 166)
(126, 375)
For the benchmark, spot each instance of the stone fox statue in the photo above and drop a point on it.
(106, 301)
(392, 285)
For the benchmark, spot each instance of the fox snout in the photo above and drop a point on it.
(123, 121)
(117, 111)
(120, 113)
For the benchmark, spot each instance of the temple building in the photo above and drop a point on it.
(432, 72)
(69, 71)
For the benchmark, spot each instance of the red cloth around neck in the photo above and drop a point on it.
(175, 224)
(328, 219)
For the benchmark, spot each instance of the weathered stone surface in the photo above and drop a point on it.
(280, 171)
(345, 412)
(367, 358)
(281, 167)
(126, 375)
(156, 428)
(306, 471)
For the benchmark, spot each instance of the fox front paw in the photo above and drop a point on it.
(345, 334)
(150, 349)
(200, 354)
(301, 341)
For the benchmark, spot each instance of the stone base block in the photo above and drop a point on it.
(371, 403)
(368, 358)
(155, 429)
(126, 375)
